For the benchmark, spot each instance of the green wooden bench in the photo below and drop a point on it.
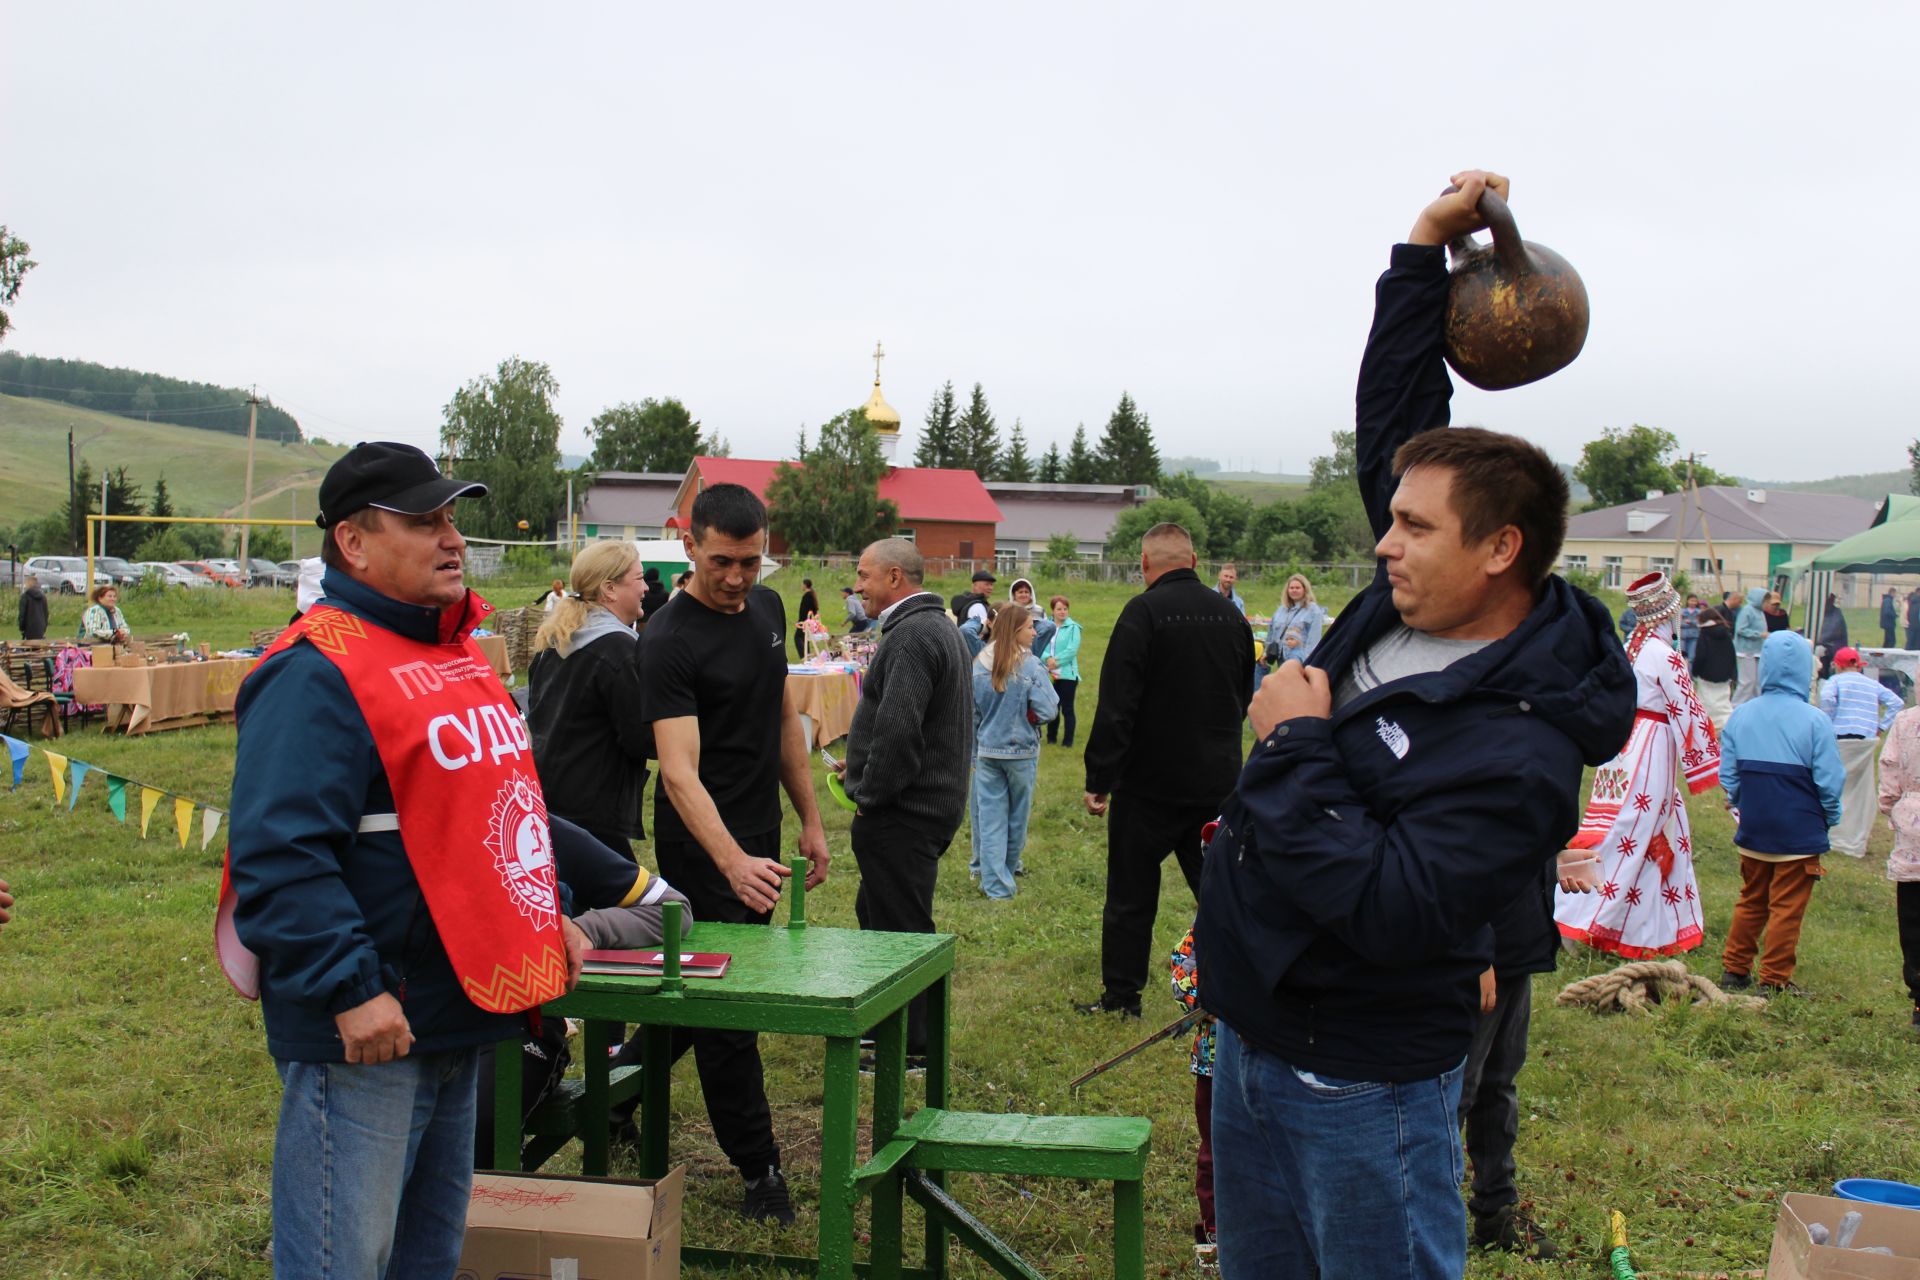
(1100, 1148)
(562, 1115)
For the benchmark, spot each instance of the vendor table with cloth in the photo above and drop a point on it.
(169, 695)
(826, 698)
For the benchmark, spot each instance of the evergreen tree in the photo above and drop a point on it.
(82, 501)
(1127, 455)
(124, 498)
(1015, 465)
(162, 504)
(978, 437)
(1082, 466)
(831, 501)
(1051, 465)
(939, 437)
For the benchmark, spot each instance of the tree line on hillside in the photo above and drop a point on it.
(63, 532)
(147, 396)
(969, 440)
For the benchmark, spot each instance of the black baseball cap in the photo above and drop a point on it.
(390, 476)
(981, 575)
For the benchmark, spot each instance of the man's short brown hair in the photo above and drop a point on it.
(1498, 480)
(366, 520)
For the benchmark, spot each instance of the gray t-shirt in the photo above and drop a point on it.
(1400, 653)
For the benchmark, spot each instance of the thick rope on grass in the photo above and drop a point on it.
(1638, 985)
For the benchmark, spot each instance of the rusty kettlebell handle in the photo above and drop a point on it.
(1507, 244)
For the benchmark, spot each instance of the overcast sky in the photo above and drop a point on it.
(361, 207)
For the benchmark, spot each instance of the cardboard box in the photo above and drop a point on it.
(1796, 1257)
(532, 1226)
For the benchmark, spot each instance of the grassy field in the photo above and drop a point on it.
(137, 1101)
(206, 471)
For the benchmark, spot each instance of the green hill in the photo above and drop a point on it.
(205, 470)
(1872, 487)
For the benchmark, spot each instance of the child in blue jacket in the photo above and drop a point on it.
(1783, 779)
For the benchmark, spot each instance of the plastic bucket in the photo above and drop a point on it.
(1901, 1195)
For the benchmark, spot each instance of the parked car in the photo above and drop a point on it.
(231, 568)
(206, 569)
(173, 575)
(265, 573)
(116, 568)
(60, 575)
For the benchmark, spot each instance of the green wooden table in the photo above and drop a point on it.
(838, 984)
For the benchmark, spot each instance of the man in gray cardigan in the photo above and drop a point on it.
(908, 751)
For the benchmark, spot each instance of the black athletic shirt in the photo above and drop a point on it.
(715, 667)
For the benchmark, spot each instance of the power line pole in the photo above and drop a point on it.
(103, 510)
(73, 504)
(246, 500)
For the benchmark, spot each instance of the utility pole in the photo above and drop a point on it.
(73, 503)
(246, 500)
(293, 533)
(103, 510)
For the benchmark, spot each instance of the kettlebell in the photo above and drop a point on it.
(1516, 311)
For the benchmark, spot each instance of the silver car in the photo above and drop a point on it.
(62, 575)
(173, 575)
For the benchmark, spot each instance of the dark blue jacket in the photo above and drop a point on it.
(335, 914)
(1346, 897)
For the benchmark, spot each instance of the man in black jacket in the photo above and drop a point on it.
(1405, 787)
(908, 751)
(1165, 746)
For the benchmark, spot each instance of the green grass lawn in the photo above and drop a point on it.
(137, 1102)
(205, 470)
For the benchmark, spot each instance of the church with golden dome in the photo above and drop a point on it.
(881, 416)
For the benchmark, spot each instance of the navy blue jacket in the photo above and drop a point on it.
(335, 914)
(1346, 896)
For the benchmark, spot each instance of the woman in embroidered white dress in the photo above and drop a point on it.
(1644, 900)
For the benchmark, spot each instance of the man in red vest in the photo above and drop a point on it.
(391, 873)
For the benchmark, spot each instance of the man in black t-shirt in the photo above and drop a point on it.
(713, 684)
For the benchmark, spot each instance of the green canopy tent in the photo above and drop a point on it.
(1891, 544)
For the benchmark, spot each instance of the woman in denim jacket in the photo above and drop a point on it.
(1012, 698)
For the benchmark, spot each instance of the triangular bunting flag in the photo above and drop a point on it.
(209, 823)
(117, 796)
(182, 818)
(57, 763)
(78, 768)
(17, 754)
(149, 800)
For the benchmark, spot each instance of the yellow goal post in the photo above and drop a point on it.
(92, 520)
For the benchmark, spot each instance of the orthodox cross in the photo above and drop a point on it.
(878, 356)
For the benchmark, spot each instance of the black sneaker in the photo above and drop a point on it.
(1770, 990)
(916, 1063)
(1916, 1017)
(1512, 1230)
(1735, 981)
(1101, 1006)
(767, 1197)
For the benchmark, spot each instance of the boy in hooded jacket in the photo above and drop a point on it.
(1783, 779)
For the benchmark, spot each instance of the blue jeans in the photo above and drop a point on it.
(1334, 1179)
(1003, 798)
(373, 1168)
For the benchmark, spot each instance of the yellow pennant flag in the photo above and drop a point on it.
(182, 818)
(57, 763)
(209, 823)
(149, 801)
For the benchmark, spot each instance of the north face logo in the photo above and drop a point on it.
(1394, 736)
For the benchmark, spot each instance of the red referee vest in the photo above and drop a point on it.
(469, 806)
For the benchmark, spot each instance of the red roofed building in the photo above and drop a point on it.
(949, 515)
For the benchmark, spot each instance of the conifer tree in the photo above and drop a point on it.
(1127, 454)
(1015, 465)
(1082, 466)
(978, 437)
(939, 438)
(1051, 465)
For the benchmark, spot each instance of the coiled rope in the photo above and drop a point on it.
(1638, 985)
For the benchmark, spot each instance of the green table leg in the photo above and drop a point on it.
(889, 1108)
(656, 1099)
(593, 1142)
(1129, 1232)
(507, 1137)
(839, 1138)
(939, 1072)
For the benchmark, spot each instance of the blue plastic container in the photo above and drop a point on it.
(1901, 1195)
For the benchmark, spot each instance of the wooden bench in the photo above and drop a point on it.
(1100, 1148)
